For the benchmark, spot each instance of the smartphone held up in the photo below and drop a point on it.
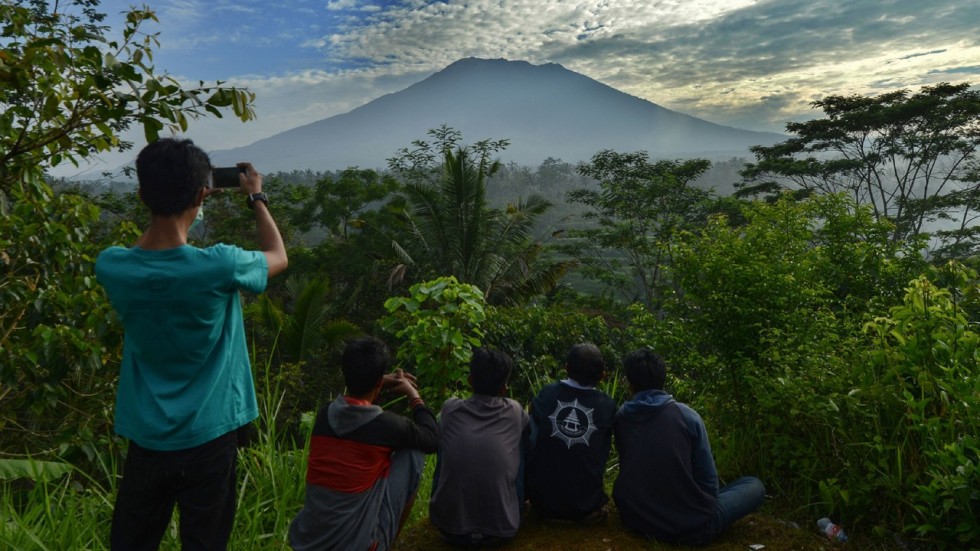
(226, 176)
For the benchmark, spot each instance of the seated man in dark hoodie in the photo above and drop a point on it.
(667, 488)
(571, 437)
(365, 463)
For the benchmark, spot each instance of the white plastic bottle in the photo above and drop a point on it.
(831, 530)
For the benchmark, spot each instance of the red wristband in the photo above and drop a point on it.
(416, 402)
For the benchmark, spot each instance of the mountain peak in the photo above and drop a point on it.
(477, 62)
(544, 110)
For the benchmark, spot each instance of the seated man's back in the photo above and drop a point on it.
(571, 440)
(477, 489)
(365, 463)
(667, 488)
(660, 491)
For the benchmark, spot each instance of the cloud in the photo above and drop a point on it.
(748, 63)
(786, 49)
(971, 70)
(718, 59)
(436, 34)
(341, 4)
(920, 54)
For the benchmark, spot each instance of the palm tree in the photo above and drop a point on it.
(303, 329)
(454, 232)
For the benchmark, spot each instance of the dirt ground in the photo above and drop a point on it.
(611, 535)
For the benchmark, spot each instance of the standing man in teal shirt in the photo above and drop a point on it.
(185, 384)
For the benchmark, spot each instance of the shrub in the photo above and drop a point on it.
(438, 325)
(59, 345)
(920, 390)
(538, 338)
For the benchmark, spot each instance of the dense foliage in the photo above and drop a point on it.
(637, 212)
(439, 324)
(792, 371)
(453, 230)
(911, 157)
(66, 93)
(827, 354)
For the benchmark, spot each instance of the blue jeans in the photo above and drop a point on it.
(735, 501)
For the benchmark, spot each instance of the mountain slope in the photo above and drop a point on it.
(545, 110)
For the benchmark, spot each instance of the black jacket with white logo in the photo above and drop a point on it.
(570, 442)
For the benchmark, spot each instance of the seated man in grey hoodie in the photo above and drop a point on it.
(477, 487)
(667, 488)
(365, 463)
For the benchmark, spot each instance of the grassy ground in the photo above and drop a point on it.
(610, 535)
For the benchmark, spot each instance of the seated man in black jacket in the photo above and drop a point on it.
(365, 463)
(667, 488)
(571, 437)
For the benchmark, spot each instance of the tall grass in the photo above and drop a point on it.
(75, 511)
(55, 516)
(272, 474)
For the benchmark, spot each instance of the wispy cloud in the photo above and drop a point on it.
(920, 54)
(971, 70)
(749, 63)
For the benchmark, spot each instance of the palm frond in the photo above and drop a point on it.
(540, 279)
(456, 233)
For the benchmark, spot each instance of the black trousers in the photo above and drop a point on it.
(200, 481)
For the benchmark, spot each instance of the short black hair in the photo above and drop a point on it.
(171, 172)
(489, 371)
(645, 369)
(365, 362)
(585, 364)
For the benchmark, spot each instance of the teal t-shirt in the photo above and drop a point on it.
(185, 377)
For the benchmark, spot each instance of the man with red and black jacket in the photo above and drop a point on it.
(365, 463)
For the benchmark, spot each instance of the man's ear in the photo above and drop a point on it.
(200, 198)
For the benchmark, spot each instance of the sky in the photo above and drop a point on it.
(753, 64)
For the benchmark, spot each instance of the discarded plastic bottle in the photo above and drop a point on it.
(832, 531)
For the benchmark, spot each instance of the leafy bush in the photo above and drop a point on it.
(814, 372)
(538, 338)
(947, 505)
(439, 323)
(921, 394)
(58, 342)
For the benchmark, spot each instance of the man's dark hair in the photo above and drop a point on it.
(585, 364)
(365, 361)
(489, 371)
(171, 172)
(645, 369)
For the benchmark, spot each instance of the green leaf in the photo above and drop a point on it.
(38, 471)
(151, 129)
